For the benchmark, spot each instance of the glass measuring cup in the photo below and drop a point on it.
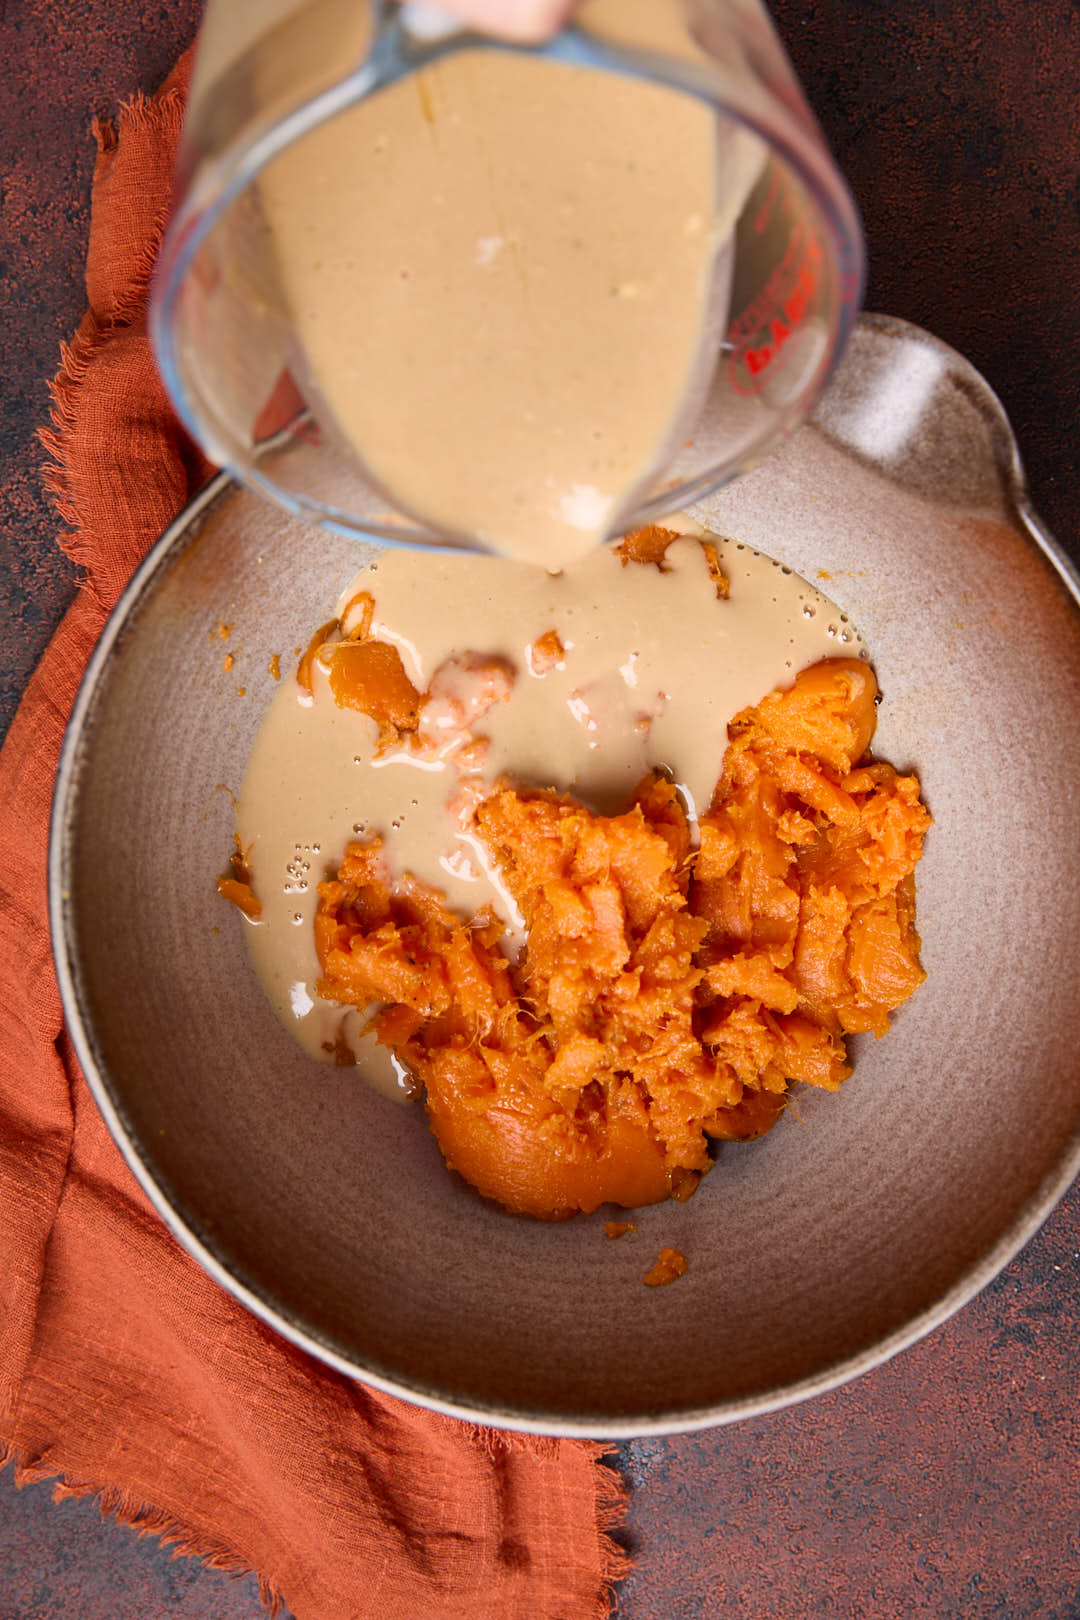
(275, 79)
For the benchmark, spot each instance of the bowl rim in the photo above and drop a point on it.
(605, 1426)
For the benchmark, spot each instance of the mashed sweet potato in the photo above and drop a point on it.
(666, 995)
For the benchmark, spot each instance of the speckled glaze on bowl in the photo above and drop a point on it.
(815, 1254)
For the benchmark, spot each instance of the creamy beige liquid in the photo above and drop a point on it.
(654, 668)
(509, 280)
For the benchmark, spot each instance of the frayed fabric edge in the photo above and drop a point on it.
(126, 1509)
(163, 115)
(58, 475)
(165, 107)
(612, 1504)
(165, 112)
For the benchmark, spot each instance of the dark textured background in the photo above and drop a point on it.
(946, 1484)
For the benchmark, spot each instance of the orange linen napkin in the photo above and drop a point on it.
(123, 1369)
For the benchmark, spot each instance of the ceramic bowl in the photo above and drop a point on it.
(814, 1254)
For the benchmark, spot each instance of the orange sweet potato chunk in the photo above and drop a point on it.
(236, 885)
(647, 545)
(305, 668)
(367, 674)
(666, 996)
(805, 884)
(670, 1266)
(566, 1082)
(239, 894)
(547, 653)
(370, 677)
(650, 545)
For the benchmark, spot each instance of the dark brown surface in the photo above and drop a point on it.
(946, 1483)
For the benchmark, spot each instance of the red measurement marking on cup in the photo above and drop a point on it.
(757, 335)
